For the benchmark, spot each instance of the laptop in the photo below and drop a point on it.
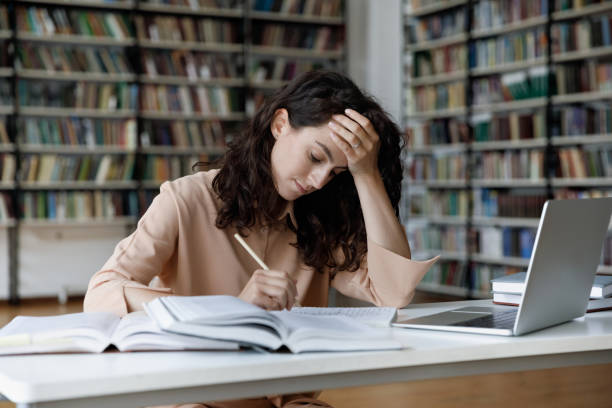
(561, 270)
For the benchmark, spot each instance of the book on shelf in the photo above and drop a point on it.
(6, 208)
(515, 284)
(230, 318)
(514, 299)
(321, 8)
(50, 21)
(94, 333)
(171, 28)
(7, 167)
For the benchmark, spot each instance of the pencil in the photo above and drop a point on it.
(256, 258)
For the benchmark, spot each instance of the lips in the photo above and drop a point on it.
(300, 188)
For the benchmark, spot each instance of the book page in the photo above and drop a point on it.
(69, 332)
(332, 333)
(372, 316)
(217, 310)
(137, 331)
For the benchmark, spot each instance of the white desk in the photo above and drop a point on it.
(141, 379)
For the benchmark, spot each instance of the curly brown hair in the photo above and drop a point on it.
(329, 219)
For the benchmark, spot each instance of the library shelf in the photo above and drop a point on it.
(582, 54)
(76, 112)
(295, 52)
(74, 76)
(439, 78)
(118, 5)
(509, 144)
(509, 28)
(268, 84)
(483, 221)
(151, 184)
(604, 269)
(582, 11)
(182, 150)
(440, 183)
(6, 110)
(510, 183)
(197, 10)
(226, 48)
(582, 182)
(581, 97)
(75, 149)
(438, 113)
(6, 72)
(503, 260)
(8, 223)
(436, 7)
(438, 148)
(177, 80)
(78, 222)
(135, 49)
(507, 67)
(295, 18)
(76, 39)
(7, 147)
(530, 103)
(443, 289)
(7, 185)
(172, 115)
(77, 185)
(446, 219)
(581, 139)
(480, 294)
(441, 42)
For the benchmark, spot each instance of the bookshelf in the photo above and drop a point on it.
(101, 101)
(506, 104)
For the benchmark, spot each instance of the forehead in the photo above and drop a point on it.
(319, 137)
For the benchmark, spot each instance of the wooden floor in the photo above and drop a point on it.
(588, 386)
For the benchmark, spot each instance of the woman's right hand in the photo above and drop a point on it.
(270, 290)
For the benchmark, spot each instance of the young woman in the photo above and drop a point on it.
(312, 184)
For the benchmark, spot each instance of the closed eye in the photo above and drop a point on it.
(315, 159)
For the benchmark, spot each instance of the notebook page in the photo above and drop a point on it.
(372, 316)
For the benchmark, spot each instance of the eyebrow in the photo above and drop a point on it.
(328, 153)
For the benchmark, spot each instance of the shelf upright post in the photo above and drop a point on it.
(13, 230)
(549, 157)
(469, 159)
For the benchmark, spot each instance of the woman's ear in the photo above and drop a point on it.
(280, 123)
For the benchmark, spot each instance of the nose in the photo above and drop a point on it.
(318, 178)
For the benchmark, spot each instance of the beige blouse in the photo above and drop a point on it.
(178, 243)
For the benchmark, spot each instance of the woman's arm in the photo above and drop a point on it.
(382, 225)
(356, 137)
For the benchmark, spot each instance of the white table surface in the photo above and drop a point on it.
(155, 378)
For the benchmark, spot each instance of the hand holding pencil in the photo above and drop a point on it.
(268, 288)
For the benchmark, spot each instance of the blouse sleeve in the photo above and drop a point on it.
(137, 259)
(386, 278)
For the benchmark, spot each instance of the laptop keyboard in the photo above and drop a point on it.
(499, 319)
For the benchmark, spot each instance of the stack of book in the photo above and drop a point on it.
(508, 290)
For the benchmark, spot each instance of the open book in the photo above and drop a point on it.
(94, 333)
(229, 318)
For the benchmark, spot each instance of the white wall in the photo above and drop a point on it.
(374, 50)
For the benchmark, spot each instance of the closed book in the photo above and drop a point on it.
(94, 333)
(515, 284)
(230, 318)
(514, 299)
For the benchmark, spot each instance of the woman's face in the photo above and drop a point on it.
(303, 160)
